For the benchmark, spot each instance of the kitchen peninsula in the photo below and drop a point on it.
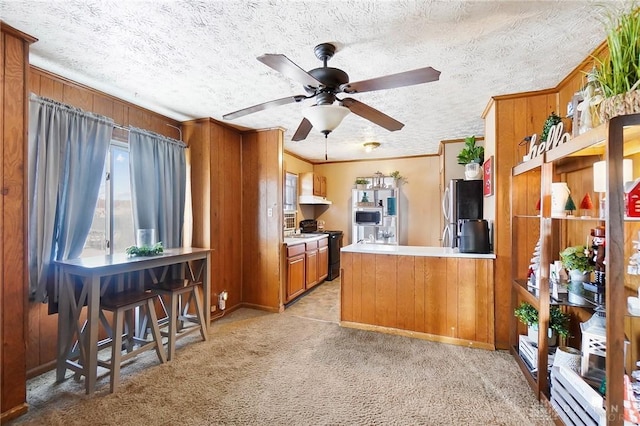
(432, 293)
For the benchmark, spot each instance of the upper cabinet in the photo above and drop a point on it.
(313, 189)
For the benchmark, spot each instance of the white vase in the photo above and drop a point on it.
(472, 171)
(532, 334)
(559, 196)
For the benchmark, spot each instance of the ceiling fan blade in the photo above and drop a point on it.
(372, 114)
(263, 106)
(287, 67)
(407, 78)
(303, 130)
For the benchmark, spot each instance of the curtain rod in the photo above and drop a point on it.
(118, 126)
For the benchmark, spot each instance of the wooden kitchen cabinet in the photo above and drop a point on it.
(323, 259)
(307, 266)
(312, 263)
(295, 271)
(313, 184)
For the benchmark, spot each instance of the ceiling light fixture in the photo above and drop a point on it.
(325, 117)
(370, 146)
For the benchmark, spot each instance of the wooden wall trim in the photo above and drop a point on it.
(418, 335)
(8, 29)
(14, 52)
(587, 62)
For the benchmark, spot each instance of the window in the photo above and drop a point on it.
(112, 227)
(290, 192)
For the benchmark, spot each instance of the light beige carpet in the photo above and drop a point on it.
(299, 368)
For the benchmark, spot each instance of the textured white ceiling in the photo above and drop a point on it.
(193, 59)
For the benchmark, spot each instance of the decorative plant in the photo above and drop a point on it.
(398, 177)
(551, 121)
(620, 72)
(145, 250)
(471, 153)
(558, 320)
(361, 181)
(576, 258)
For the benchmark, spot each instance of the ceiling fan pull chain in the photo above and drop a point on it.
(325, 147)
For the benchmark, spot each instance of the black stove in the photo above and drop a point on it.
(310, 226)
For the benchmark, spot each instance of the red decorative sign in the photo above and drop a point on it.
(488, 177)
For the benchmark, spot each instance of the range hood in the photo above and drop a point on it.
(312, 199)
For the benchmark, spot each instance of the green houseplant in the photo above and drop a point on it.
(618, 75)
(398, 178)
(471, 153)
(558, 320)
(575, 258)
(361, 183)
(576, 261)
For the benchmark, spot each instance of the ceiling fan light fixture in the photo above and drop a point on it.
(325, 117)
(370, 146)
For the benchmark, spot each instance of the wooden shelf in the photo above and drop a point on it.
(589, 143)
(521, 287)
(527, 166)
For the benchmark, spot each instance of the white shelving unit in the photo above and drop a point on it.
(380, 196)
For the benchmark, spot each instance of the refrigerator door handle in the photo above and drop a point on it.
(445, 204)
(446, 236)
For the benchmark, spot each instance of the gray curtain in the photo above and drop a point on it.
(67, 148)
(158, 184)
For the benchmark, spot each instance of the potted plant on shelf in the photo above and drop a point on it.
(558, 322)
(361, 183)
(398, 178)
(618, 75)
(472, 157)
(575, 259)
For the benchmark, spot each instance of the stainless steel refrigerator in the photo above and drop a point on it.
(462, 199)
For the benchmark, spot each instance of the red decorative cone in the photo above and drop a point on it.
(586, 203)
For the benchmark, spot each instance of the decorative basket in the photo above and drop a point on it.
(622, 104)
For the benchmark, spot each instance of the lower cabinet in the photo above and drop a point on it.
(307, 266)
(323, 259)
(295, 271)
(312, 263)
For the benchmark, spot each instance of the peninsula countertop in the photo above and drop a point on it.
(412, 251)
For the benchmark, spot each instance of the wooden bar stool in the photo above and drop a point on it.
(177, 310)
(122, 305)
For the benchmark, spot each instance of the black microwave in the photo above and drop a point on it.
(368, 217)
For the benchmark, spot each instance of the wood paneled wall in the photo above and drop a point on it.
(262, 221)
(515, 116)
(216, 188)
(46, 84)
(446, 299)
(14, 57)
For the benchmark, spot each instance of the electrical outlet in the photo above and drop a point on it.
(222, 300)
(213, 308)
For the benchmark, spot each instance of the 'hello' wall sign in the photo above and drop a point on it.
(555, 138)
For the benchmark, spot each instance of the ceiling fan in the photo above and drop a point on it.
(325, 83)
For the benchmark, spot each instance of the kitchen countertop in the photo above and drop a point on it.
(412, 251)
(303, 238)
